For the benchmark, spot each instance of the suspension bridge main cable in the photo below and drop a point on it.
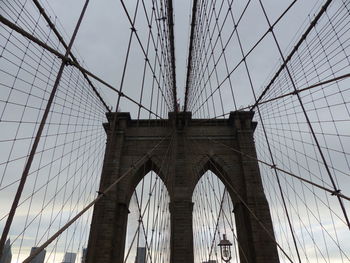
(247, 54)
(165, 159)
(60, 38)
(142, 48)
(38, 135)
(336, 189)
(294, 50)
(190, 51)
(332, 192)
(229, 185)
(101, 194)
(71, 62)
(170, 20)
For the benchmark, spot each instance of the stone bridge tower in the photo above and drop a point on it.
(196, 143)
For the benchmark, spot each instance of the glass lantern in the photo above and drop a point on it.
(225, 249)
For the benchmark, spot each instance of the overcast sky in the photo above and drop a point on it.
(101, 44)
(102, 39)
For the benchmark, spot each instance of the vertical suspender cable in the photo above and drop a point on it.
(170, 20)
(38, 135)
(323, 10)
(190, 50)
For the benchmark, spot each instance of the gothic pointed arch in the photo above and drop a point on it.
(152, 163)
(148, 224)
(218, 166)
(213, 218)
(194, 148)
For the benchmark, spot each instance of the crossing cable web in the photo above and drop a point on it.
(149, 224)
(63, 172)
(302, 133)
(41, 72)
(242, 56)
(212, 217)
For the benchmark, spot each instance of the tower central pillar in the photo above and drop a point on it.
(193, 147)
(181, 239)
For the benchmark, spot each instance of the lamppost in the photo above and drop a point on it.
(225, 249)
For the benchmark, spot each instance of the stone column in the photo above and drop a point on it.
(119, 234)
(181, 206)
(181, 244)
(109, 221)
(256, 237)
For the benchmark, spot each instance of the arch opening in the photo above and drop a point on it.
(148, 227)
(212, 217)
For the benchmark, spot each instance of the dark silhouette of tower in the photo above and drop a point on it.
(40, 257)
(140, 255)
(133, 139)
(7, 254)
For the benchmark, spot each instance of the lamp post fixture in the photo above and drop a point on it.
(225, 249)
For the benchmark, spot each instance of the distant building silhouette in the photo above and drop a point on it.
(69, 257)
(38, 258)
(83, 257)
(141, 255)
(6, 255)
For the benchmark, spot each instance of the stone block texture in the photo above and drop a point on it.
(193, 146)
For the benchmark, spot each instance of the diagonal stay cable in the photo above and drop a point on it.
(60, 38)
(141, 46)
(318, 84)
(294, 50)
(91, 204)
(269, 234)
(148, 203)
(172, 50)
(70, 62)
(247, 54)
(204, 65)
(190, 51)
(336, 193)
(38, 135)
(294, 92)
(324, 7)
(126, 60)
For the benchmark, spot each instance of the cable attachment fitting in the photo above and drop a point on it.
(100, 193)
(161, 18)
(295, 92)
(67, 61)
(336, 192)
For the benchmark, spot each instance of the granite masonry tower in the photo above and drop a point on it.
(196, 143)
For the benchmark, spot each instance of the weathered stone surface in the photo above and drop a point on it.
(193, 147)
